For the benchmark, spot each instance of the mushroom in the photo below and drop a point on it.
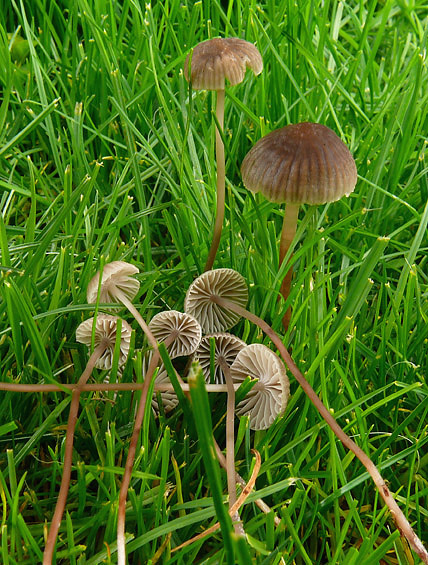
(180, 332)
(212, 316)
(269, 396)
(229, 305)
(115, 283)
(207, 67)
(105, 337)
(227, 347)
(299, 163)
(102, 357)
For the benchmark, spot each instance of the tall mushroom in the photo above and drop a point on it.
(299, 163)
(102, 357)
(207, 67)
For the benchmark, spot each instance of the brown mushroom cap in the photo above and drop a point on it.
(217, 59)
(105, 330)
(228, 284)
(181, 330)
(268, 398)
(227, 347)
(115, 275)
(300, 163)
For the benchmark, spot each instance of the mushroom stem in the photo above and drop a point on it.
(126, 302)
(221, 182)
(121, 553)
(230, 446)
(288, 232)
(68, 455)
(401, 521)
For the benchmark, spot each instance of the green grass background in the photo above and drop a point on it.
(106, 154)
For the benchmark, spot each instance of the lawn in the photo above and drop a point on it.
(107, 154)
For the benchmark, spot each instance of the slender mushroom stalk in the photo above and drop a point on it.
(226, 349)
(300, 163)
(102, 357)
(226, 305)
(116, 284)
(177, 340)
(211, 63)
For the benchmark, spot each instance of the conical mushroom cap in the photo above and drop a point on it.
(268, 398)
(182, 328)
(227, 347)
(116, 275)
(300, 163)
(217, 59)
(105, 330)
(225, 283)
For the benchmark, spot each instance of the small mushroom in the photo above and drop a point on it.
(300, 163)
(102, 357)
(222, 283)
(105, 337)
(210, 64)
(180, 332)
(269, 396)
(227, 347)
(115, 283)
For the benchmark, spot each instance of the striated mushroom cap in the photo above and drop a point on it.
(217, 59)
(227, 347)
(116, 275)
(225, 283)
(268, 398)
(182, 331)
(300, 163)
(105, 331)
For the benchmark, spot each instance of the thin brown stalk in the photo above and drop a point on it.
(288, 232)
(121, 511)
(68, 455)
(103, 387)
(401, 521)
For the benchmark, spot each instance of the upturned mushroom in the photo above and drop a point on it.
(116, 283)
(180, 332)
(207, 67)
(102, 357)
(199, 302)
(268, 398)
(299, 163)
(226, 348)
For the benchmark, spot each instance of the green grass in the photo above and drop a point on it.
(106, 154)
